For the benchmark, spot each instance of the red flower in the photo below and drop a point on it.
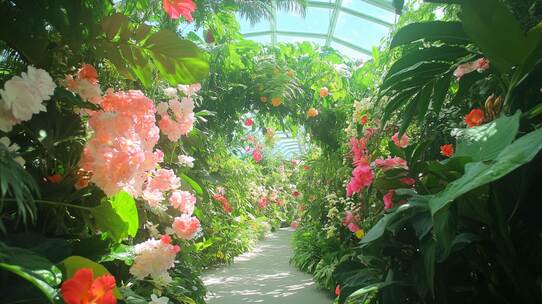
(257, 156)
(55, 178)
(83, 288)
(447, 150)
(177, 8)
(364, 119)
(249, 122)
(338, 290)
(474, 118)
(306, 168)
(89, 73)
(408, 181)
(296, 193)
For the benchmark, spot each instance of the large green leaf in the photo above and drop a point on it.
(139, 53)
(117, 216)
(449, 32)
(511, 46)
(33, 268)
(485, 142)
(478, 174)
(178, 60)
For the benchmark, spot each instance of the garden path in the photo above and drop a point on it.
(264, 276)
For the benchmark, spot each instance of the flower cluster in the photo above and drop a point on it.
(177, 116)
(120, 152)
(186, 161)
(219, 197)
(154, 258)
(23, 97)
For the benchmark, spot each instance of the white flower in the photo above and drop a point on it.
(170, 92)
(162, 108)
(189, 90)
(187, 161)
(22, 98)
(88, 91)
(7, 121)
(13, 148)
(154, 258)
(156, 300)
(42, 81)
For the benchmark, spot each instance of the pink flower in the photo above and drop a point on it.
(184, 201)
(163, 180)
(250, 138)
(186, 226)
(348, 218)
(120, 151)
(479, 65)
(358, 148)
(388, 199)
(182, 121)
(362, 177)
(400, 143)
(353, 227)
(294, 225)
(153, 197)
(154, 258)
(257, 155)
(391, 163)
(408, 181)
(262, 203)
(177, 8)
(249, 122)
(89, 73)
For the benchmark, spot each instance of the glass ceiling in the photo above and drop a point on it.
(352, 27)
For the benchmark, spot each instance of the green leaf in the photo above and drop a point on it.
(483, 18)
(73, 263)
(178, 60)
(449, 32)
(478, 174)
(448, 53)
(485, 142)
(118, 216)
(112, 25)
(34, 268)
(192, 183)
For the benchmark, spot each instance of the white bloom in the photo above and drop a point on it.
(154, 258)
(7, 121)
(12, 148)
(162, 108)
(343, 69)
(42, 81)
(22, 98)
(187, 161)
(170, 92)
(156, 300)
(89, 91)
(189, 90)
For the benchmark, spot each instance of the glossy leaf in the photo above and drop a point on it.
(449, 32)
(117, 216)
(485, 142)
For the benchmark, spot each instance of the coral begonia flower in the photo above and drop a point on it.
(447, 150)
(338, 290)
(474, 118)
(83, 288)
(249, 122)
(364, 119)
(276, 101)
(324, 92)
(55, 178)
(177, 8)
(89, 73)
(257, 156)
(312, 112)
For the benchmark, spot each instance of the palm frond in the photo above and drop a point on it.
(256, 10)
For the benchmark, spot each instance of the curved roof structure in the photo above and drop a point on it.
(352, 27)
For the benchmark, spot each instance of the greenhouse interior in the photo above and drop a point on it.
(270, 151)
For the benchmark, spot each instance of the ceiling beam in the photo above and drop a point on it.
(353, 46)
(333, 21)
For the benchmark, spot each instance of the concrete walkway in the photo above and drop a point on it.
(264, 276)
